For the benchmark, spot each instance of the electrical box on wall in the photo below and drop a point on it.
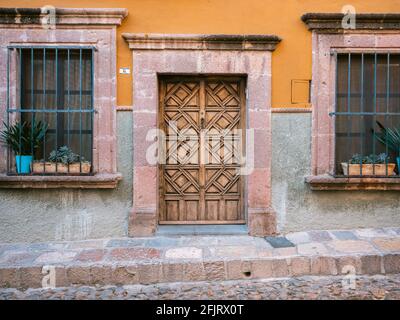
(301, 91)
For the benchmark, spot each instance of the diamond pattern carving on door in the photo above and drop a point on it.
(199, 181)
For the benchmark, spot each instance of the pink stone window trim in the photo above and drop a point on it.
(100, 34)
(323, 101)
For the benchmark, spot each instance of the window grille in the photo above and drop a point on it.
(367, 113)
(51, 88)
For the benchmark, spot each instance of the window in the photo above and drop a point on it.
(367, 114)
(52, 114)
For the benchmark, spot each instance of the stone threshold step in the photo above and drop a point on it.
(167, 271)
(193, 230)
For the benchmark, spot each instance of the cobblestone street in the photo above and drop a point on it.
(372, 287)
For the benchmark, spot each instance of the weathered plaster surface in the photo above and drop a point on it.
(298, 208)
(61, 214)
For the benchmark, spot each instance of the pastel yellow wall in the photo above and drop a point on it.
(291, 60)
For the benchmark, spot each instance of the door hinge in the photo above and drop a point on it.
(247, 94)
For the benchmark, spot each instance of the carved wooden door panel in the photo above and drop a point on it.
(199, 181)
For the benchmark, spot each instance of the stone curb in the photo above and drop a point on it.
(199, 270)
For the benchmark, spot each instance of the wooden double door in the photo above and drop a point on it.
(203, 119)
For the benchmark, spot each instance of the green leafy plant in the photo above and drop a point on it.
(371, 159)
(23, 138)
(64, 155)
(388, 137)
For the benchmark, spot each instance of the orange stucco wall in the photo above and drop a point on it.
(291, 60)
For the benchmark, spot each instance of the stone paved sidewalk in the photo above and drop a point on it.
(198, 258)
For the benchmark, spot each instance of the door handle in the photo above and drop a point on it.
(202, 119)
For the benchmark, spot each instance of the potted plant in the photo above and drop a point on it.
(390, 138)
(23, 139)
(371, 165)
(62, 160)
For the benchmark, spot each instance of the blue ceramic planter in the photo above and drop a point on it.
(23, 164)
(398, 164)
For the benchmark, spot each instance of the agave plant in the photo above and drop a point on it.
(23, 138)
(389, 137)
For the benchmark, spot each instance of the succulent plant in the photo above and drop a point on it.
(64, 155)
(371, 159)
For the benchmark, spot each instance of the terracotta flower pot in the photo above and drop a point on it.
(368, 169)
(52, 167)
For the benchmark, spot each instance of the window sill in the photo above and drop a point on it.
(327, 182)
(97, 181)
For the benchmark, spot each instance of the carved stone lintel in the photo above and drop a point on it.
(332, 22)
(69, 16)
(140, 41)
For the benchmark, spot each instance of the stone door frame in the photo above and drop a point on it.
(157, 54)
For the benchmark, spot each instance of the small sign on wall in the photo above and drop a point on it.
(124, 70)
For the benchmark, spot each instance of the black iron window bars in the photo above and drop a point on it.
(50, 110)
(367, 114)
